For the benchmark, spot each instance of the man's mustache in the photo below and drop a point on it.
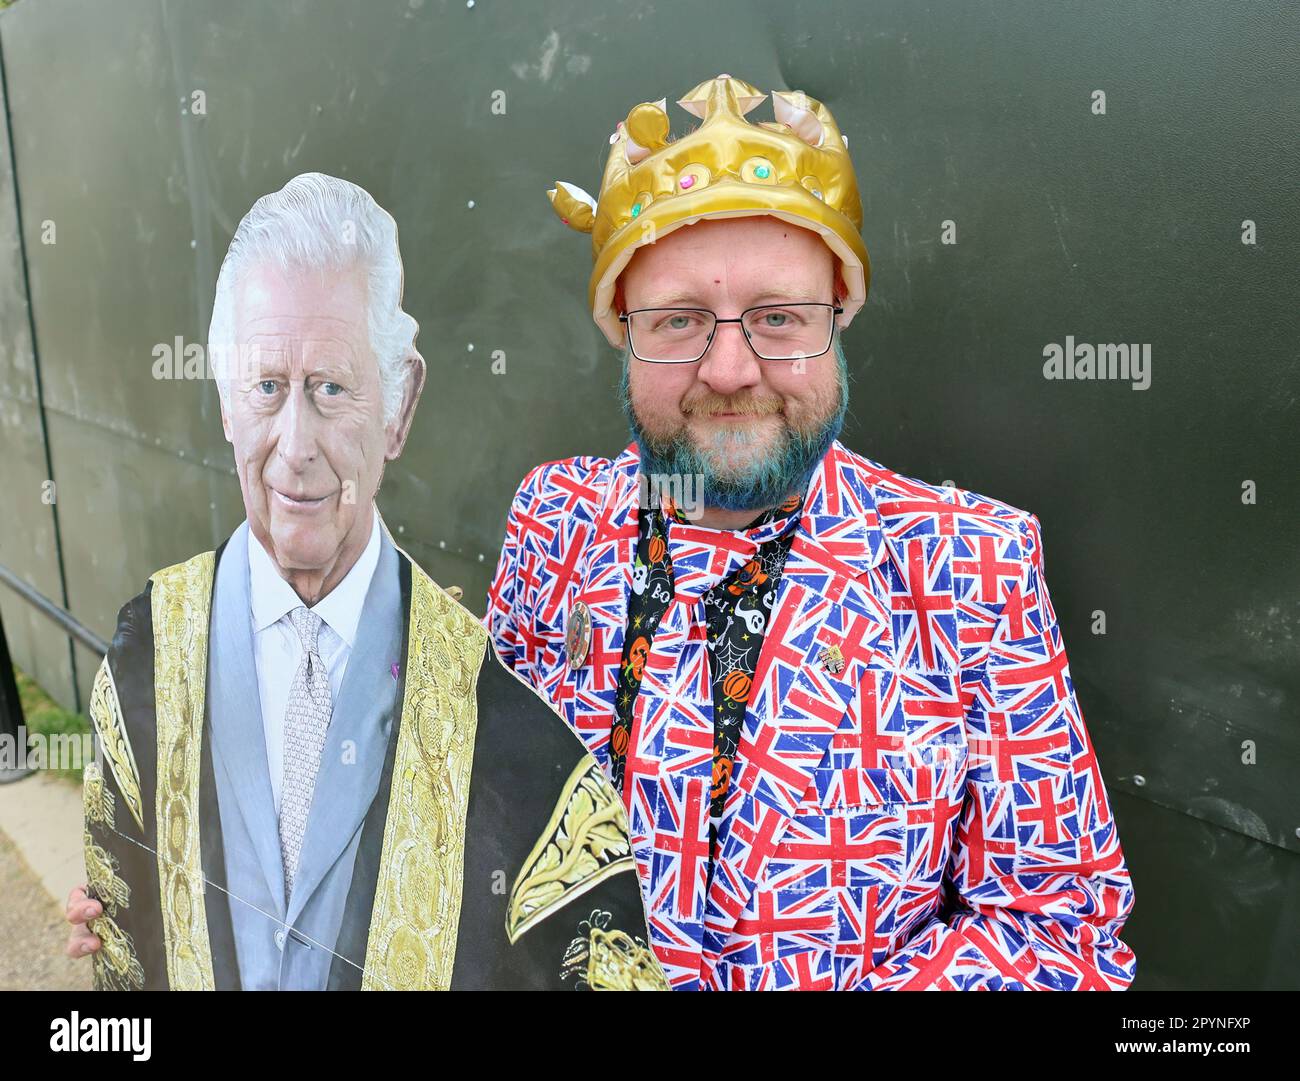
(747, 405)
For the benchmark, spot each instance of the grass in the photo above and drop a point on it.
(41, 714)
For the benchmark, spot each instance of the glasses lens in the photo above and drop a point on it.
(670, 334)
(790, 331)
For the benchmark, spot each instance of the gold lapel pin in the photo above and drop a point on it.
(577, 635)
(832, 660)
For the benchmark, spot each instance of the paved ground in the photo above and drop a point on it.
(40, 860)
(33, 931)
(41, 815)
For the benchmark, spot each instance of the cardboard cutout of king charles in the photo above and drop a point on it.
(315, 771)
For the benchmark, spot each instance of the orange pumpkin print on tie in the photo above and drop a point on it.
(736, 686)
(637, 656)
(751, 574)
(721, 775)
(658, 549)
(618, 740)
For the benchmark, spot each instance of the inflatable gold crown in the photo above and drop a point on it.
(796, 168)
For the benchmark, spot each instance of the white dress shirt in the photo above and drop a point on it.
(277, 648)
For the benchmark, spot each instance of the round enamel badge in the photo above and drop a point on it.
(577, 635)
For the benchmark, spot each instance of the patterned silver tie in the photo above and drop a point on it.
(306, 718)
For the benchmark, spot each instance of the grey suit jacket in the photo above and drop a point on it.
(286, 943)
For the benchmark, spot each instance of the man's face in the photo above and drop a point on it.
(306, 418)
(749, 425)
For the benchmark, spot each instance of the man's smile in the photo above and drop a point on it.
(299, 502)
(750, 415)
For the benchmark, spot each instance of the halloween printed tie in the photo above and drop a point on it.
(736, 611)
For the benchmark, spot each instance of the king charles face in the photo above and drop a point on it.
(730, 406)
(306, 419)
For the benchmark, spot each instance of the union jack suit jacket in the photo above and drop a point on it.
(931, 815)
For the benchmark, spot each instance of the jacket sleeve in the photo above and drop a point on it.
(1037, 890)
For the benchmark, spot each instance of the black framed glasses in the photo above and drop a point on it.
(794, 331)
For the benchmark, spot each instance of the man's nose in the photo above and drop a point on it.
(730, 365)
(296, 430)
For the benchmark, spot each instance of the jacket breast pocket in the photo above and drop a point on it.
(851, 789)
(913, 807)
(896, 718)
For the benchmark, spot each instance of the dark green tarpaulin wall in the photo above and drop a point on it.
(1123, 227)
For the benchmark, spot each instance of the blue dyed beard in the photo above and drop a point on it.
(765, 480)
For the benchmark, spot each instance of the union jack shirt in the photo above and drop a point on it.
(916, 802)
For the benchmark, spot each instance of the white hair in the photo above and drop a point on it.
(316, 222)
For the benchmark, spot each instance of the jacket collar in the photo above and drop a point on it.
(839, 521)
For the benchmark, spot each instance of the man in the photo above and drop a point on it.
(835, 699)
(315, 778)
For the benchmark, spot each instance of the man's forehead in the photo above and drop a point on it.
(752, 252)
(273, 323)
(299, 291)
(322, 305)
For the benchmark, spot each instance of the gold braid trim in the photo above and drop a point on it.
(96, 799)
(416, 915)
(106, 713)
(115, 965)
(181, 602)
(583, 844)
(102, 876)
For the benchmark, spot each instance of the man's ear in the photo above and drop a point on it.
(399, 427)
(841, 289)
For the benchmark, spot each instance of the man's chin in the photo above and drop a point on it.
(731, 452)
(303, 546)
(743, 468)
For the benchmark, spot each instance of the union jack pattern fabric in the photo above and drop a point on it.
(929, 814)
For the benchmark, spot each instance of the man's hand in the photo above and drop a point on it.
(82, 940)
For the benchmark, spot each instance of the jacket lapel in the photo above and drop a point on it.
(830, 599)
(589, 690)
(235, 706)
